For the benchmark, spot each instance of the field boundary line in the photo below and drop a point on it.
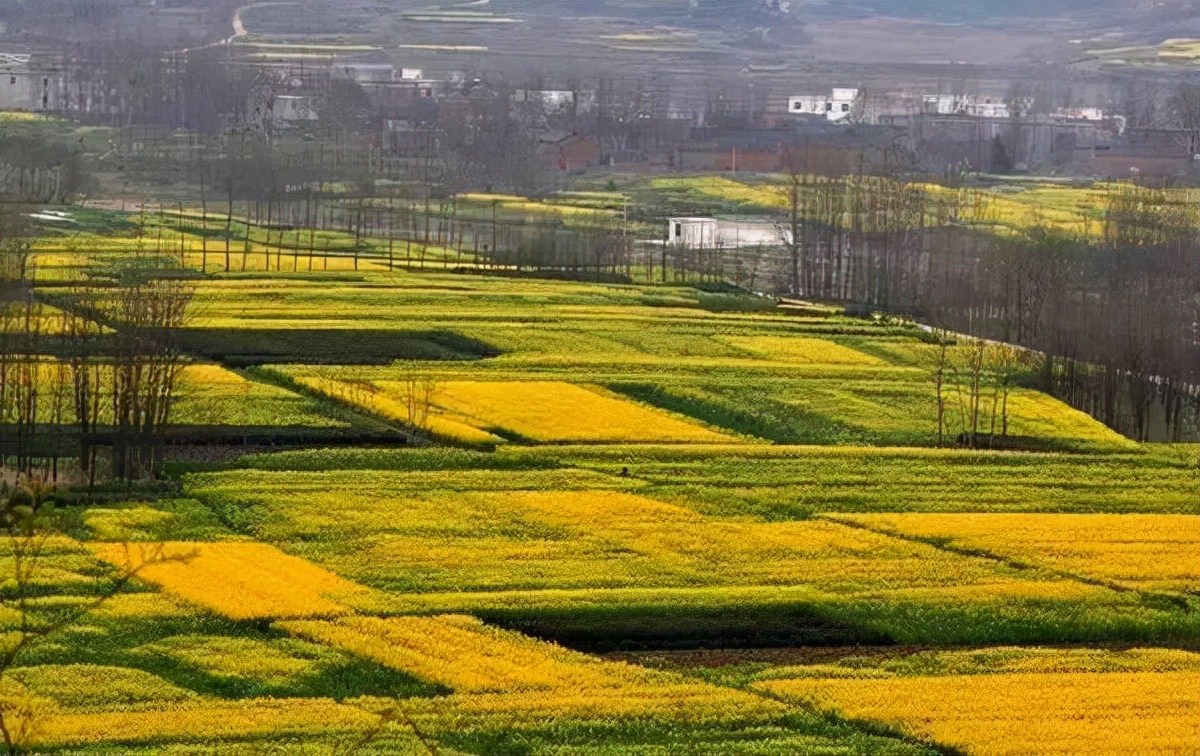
(869, 726)
(1177, 602)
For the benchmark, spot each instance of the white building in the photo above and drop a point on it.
(972, 106)
(989, 109)
(1081, 114)
(711, 233)
(22, 87)
(693, 233)
(945, 104)
(840, 105)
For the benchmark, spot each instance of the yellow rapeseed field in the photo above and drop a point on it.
(459, 652)
(687, 704)
(803, 349)
(384, 398)
(236, 658)
(204, 722)
(145, 606)
(387, 398)
(559, 411)
(767, 195)
(241, 580)
(1084, 714)
(1032, 413)
(1147, 551)
(95, 686)
(502, 677)
(827, 555)
(529, 536)
(262, 258)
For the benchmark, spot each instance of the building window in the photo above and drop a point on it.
(828, 107)
(678, 230)
(799, 106)
(845, 108)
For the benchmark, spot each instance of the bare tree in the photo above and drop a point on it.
(1185, 109)
(145, 306)
(943, 341)
(420, 394)
(795, 181)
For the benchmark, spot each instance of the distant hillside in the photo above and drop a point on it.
(1121, 15)
(971, 11)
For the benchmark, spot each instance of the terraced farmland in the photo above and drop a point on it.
(625, 519)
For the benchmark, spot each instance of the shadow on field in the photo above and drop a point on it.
(856, 620)
(665, 628)
(330, 346)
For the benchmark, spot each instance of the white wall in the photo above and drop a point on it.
(20, 87)
(737, 234)
(709, 233)
(837, 107)
(808, 105)
(692, 232)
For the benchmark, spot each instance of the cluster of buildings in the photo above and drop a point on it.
(841, 105)
(852, 105)
(297, 89)
(945, 131)
(652, 127)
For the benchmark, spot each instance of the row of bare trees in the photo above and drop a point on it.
(102, 362)
(973, 380)
(1110, 295)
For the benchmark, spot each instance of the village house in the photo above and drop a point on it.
(28, 83)
(1148, 152)
(837, 107)
(569, 152)
(389, 88)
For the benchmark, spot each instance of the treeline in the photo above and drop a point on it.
(97, 373)
(40, 162)
(1110, 296)
(305, 229)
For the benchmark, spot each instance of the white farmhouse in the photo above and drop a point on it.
(22, 87)
(838, 106)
